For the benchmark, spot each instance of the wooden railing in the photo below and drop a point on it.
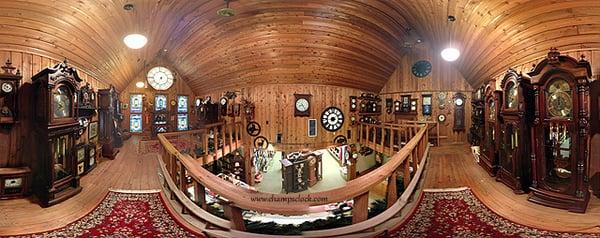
(408, 146)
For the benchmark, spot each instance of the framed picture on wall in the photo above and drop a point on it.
(93, 130)
(312, 127)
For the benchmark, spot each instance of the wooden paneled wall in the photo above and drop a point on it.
(275, 111)
(13, 147)
(443, 78)
(180, 87)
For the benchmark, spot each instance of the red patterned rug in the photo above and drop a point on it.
(459, 213)
(125, 215)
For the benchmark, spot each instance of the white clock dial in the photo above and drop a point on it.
(223, 101)
(7, 87)
(459, 102)
(160, 78)
(302, 104)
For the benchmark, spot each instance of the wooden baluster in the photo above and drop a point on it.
(222, 133)
(230, 130)
(205, 145)
(182, 185)
(407, 171)
(360, 210)
(200, 195)
(235, 216)
(392, 194)
(382, 145)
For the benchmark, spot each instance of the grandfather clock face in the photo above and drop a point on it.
(302, 105)
(459, 111)
(61, 102)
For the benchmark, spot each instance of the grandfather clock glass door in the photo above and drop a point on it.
(60, 153)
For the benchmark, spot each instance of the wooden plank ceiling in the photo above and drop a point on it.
(353, 43)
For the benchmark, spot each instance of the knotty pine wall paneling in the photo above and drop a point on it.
(13, 141)
(443, 78)
(180, 87)
(275, 112)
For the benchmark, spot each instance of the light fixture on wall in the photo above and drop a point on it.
(135, 41)
(450, 54)
(140, 84)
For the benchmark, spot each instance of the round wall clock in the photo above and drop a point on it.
(302, 104)
(441, 118)
(160, 78)
(223, 101)
(261, 142)
(340, 139)
(421, 68)
(332, 119)
(253, 128)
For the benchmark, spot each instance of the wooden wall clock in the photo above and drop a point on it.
(426, 105)
(9, 87)
(459, 111)
(302, 105)
(353, 103)
(253, 128)
(332, 119)
(160, 78)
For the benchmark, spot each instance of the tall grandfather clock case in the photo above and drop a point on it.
(561, 132)
(491, 128)
(110, 118)
(514, 168)
(56, 131)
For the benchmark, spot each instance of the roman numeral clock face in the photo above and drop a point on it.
(332, 119)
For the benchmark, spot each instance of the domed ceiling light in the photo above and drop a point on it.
(140, 84)
(450, 54)
(226, 11)
(135, 41)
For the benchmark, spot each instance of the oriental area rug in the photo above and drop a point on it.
(125, 214)
(459, 213)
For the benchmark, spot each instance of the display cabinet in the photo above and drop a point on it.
(110, 118)
(561, 132)
(14, 182)
(514, 167)
(491, 128)
(56, 129)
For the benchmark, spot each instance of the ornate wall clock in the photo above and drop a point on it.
(302, 105)
(223, 101)
(340, 140)
(397, 106)
(10, 82)
(332, 119)
(459, 111)
(426, 105)
(441, 118)
(253, 128)
(442, 100)
(160, 78)
(421, 68)
(261, 142)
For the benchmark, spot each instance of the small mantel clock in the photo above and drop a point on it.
(459, 111)
(514, 167)
(56, 131)
(561, 128)
(302, 105)
(491, 128)
(9, 93)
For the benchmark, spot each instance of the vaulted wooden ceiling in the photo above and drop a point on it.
(354, 43)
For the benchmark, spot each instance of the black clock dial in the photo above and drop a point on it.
(421, 68)
(332, 119)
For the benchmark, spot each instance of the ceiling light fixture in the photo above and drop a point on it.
(135, 41)
(450, 54)
(140, 84)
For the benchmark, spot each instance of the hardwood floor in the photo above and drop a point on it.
(454, 166)
(449, 166)
(128, 171)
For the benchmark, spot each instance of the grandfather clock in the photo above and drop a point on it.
(561, 132)
(56, 130)
(517, 106)
(109, 122)
(459, 111)
(491, 128)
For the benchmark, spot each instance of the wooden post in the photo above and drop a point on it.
(200, 195)
(182, 184)
(407, 171)
(360, 211)
(230, 130)
(392, 194)
(235, 216)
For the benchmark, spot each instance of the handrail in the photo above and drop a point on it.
(413, 151)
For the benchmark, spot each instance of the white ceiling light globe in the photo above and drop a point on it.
(450, 54)
(135, 41)
(140, 84)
